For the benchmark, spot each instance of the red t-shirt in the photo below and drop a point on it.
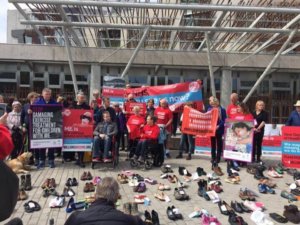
(163, 116)
(6, 143)
(241, 116)
(150, 132)
(231, 111)
(134, 126)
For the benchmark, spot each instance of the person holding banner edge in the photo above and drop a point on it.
(40, 154)
(294, 118)
(217, 141)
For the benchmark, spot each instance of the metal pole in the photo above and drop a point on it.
(264, 45)
(157, 27)
(291, 48)
(136, 51)
(235, 8)
(43, 40)
(243, 35)
(67, 45)
(269, 67)
(211, 73)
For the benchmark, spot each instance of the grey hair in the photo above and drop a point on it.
(47, 90)
(108, 189)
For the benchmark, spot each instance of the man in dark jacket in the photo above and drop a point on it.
(103, 135)
(40, 154)
(103, 211)
(98, 115)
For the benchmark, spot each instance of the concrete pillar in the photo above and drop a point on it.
(226, 87)
(95, 78)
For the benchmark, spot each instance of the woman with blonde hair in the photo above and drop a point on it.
(261, 117)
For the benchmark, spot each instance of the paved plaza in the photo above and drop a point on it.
(273, 203)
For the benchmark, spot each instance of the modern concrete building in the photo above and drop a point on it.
(107, 38)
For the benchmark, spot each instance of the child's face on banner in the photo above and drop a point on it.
(241, 132)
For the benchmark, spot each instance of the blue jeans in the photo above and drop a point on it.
(190, 141)
(102, 145)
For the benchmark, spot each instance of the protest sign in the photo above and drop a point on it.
(238, 140)
(175, 94)
(291, 146)
(78, 130)
(46, 127)
(129, 107)
(202, 145)
(197, 123)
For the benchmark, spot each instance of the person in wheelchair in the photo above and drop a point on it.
(134, 125)
(103, 135)
(149, 135)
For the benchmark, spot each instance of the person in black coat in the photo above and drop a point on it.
(98, 115)
(103, 210)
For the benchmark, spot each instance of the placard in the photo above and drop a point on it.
(197, 123)
(78, 130)
(291, 146)
(130, 105)
(46, 126)
(238, 140)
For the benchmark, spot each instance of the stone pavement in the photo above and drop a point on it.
(273, 203)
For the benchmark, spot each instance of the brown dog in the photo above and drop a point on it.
(20, 164)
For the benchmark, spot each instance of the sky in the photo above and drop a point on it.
(3, 18)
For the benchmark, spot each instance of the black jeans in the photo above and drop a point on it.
(257, 143)
(216, 144)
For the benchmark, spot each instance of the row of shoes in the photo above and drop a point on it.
(229, 211)
(86, 176)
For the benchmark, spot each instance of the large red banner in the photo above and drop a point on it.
(197, 123)
(175, 94)
(291, 146)
(130, 105)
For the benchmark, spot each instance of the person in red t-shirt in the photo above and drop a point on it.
(232, 108)
(164, 118)
(149, 134)
(134, 125)
(6, 143)
(243, 113)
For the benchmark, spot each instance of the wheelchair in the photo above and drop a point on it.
(154, 156)
(114, 154)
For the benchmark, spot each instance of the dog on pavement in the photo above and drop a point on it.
(20, 164)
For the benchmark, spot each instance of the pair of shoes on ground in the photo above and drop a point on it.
(68, 192)
(218, 170)
(122, 178)
(163, 187)
(49, 191)
(173, 213)
(291, 197)
(180, 194)
(292, 213)
(166, 169)
(246, 194)
(150, 181)
(131, 208)
(151, 219)
(86, 176)
(240, 207)
(162, 197)
(49, 183)
(73, 206)
(234, 219)
(184, 172)
(96, 180)
(264, 189)
(89, 187)
(140, 188)
(233, 179)
(71, 182)
(202, 189)
(57, 202)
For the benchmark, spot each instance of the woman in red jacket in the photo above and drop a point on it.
(149, 134)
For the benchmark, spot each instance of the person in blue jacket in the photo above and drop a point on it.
(40, 154)
(216, 141)
(294, 118)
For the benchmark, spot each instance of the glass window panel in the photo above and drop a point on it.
(38, 75)
(247, 83)
(173, 79)
(282, 84)
(137, 79)
(161, 81)
(7, 75)
(54, 79)
(25, 78)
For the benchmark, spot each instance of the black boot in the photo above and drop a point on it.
(259, 173)
(28, 186)
(155, 219)
(148, 219)
(22, 182)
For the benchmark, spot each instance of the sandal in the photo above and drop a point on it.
(161, 196)
(163, 187)
(31, 206)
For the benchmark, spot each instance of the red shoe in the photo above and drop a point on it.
(96, 159)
